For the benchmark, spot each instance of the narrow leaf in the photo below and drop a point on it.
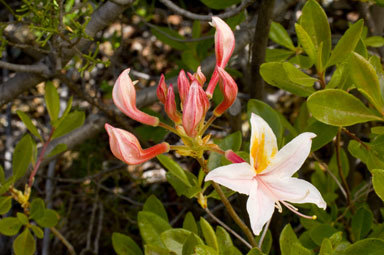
(378, 182)
(28, 123)
(71, 121)
(52, 101)
(22, 156)
(209, 234)
(154, 205)
(124, 245)
(279, 35)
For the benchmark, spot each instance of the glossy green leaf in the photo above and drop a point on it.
(303, 61)
(5, 204)
(274, 74)
(22, 156)
(339, 77)
(39, 233)
(150, 249)
(24, 244)
(209, 234)
(190, 244)
(255, 251)
(321, 232)
(52, 101)
(28, 123)
(174, 168)
(219, 5)
(324, 134)
(315, 22)
(361, 223)
(202, 249)
(65, 113)
(378, 182)
(346, 44)
(190, 224)
(72, 121)
(10, 226)
(289, 244)
(369, 246)
(190, 59)
(49, 219)
(37, 209)
(345, 111)
(154, 205)
(366, 80)
(297, 76)
(2, 175)
(22, 218)
(124, 245)
(224, 240)
(279, 35)
(326, 247)
(151, 226)
(276, 55)
(374, 41)
(368, 157)
(174, 239)
(361, 49)
(57, 150)
(306, 42)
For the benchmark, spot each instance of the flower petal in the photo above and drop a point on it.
(294, 190)
(263, 143)
(260, 207)
(291, 157)
(237, 177)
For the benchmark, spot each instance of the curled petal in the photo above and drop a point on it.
(237, 177)
(263, 145)
(126, 147)
(260, 207)
(162, 89)
(183, 86)
(170, 106)
(229, 89)
(294, 190)
(199, 76)
(195, 107)
(291, 157)
(124, 97)
(233, 157)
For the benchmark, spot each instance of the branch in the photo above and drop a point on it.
(195, 16)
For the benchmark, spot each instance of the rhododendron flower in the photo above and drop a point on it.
(127, 148)
(162, 89)
(170, 106)
(124, 97)
(268, 179)
(183, 86)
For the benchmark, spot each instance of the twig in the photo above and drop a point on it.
(265, 230)
(228, 228)
(354, 137)
(90, 226)
(99, 228)
(36, 68)
(338, 160)
(67, 244)
(133, 202)
(178, 216)
(195, 16)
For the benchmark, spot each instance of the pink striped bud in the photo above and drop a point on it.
(162, 89)
(224, 46)
(170, 106)
(195, 107)
(199, 76)
(233, 157)
(229, 89)
(127, 148)
(183, 86)
(124, 97)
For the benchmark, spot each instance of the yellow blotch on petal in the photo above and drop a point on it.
(260, 158)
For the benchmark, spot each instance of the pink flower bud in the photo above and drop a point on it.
(224, 46)
(233, 157)
(199, 76)
(162, 89)
(124, 97)
(229, 89)
(183, 86)
(170, 106)
(195, 107)
(127, 148)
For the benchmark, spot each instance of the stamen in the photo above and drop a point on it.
(278, 206)
(296, 211)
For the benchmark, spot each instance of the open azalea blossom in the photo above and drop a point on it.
(268, 180)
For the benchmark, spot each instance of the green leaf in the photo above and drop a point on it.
(154, 205)
(190, 59)
(49, 219)
(366, 80)
(22, 218)
(339, 77)
(268, 114)
(255, 251)
(279, 35)
(374, 41)
(174, 239)
(306, 42)
(369, 246)
(346, 44)
(224, 240)
(52, 101)
(174, 168)
(276, 55)
(361, 49)
(201, 249)
(190, 224)
(345, 111)
(361, 223)
(150, 249)
(196, 29)
(57, 150)
(289, 244)
(297, 76)
(303, 61)
(321, 232)
(65, 113)
(124, 245)
(5, 204)
(22, 156)
(70, 122)
(24, 244)
(274, 74)
(367, 156)
(37, 231)
(315, 22)
(37, 209)
(190, 244)
(324, 134)
(28, 123)
(169, 36)
(326, 247)
(267, 243)
(378, 182)
(10, 226)
(219, 5)
(4, 187)
(2, 175)
(151, 226)
(209, 234)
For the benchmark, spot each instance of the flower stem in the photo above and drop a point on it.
(168, 127)
(229, 207)
(207, 124)
(341, 174)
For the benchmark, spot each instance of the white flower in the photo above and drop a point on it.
(268, 179)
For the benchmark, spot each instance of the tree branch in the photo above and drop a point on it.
(36, 68)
